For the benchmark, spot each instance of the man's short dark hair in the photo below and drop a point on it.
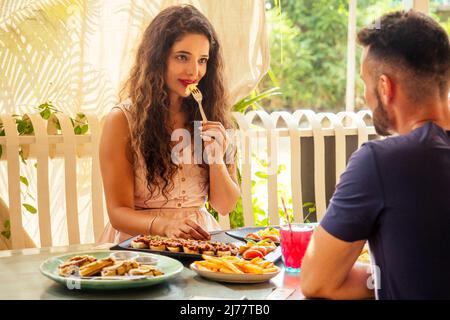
(413, 43)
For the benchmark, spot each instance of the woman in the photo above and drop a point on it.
(147, 191)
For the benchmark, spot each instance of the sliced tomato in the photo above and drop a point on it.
(261, 249)
(251, 254)
(254, 236)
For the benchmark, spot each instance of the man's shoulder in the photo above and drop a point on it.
(414, 142)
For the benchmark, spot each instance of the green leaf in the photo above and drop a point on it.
(24, 180)
(6, 234)
(30, 208)
(46, 113)
(7, 224)
(242, 105)
(261, 175)
(84, 129)
(21, 157)
(1, 151)
(21, 125)
(43, 106)
(77, 130)
(281, 168)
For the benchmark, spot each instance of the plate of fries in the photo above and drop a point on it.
(234, 269)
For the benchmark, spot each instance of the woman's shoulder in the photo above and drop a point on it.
(122, 107)
(119, 116)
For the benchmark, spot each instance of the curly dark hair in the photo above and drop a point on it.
(150, 134)
(411, 44)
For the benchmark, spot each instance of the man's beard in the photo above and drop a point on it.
(381, 118)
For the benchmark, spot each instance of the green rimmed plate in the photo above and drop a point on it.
(49, 268)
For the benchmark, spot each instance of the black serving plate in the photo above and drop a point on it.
(126, 245)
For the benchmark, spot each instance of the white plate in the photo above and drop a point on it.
(234, 277)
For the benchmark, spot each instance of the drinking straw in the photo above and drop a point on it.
(287, 214)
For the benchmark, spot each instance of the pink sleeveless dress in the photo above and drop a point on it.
(187, 199)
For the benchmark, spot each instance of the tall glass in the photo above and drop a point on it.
(294, 243)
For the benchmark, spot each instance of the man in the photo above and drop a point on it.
(395, 192)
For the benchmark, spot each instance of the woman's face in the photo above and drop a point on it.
(186, 63)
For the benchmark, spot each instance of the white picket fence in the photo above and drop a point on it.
(47, 144)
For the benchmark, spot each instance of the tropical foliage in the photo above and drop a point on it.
(308, 44)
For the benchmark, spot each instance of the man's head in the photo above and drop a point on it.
(406, 59)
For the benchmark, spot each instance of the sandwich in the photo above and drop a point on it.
(223, 250)
(73, 264)
(146, 270)
(191, 246)
(207, 248)
(95, 267)
(141, 242)
(173, 245)
(119, 268)
(157, 245)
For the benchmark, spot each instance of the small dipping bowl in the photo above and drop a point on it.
(146, 260)
(124, 255)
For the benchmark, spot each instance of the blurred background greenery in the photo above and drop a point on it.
(308, 46)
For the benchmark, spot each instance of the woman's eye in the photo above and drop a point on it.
(203, 60)
(182, 58)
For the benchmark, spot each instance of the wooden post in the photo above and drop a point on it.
(417, 5)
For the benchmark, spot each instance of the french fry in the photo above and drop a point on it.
(202, 268)
(232, 267)
(251, 268)
(256, 260)
(270, 270)
(225, 270)
(212, 259)
(210, 265)
(266, 264)
(230, 258)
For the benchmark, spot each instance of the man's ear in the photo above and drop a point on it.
(386, 89)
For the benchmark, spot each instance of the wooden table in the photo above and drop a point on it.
(20, 278)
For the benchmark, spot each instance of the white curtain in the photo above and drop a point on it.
(76, 53)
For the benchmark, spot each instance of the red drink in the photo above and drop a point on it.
(294, 244)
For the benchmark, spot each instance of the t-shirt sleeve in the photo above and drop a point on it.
(358, 199)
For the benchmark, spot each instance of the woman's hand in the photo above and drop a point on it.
(216, 140)
(185, 228)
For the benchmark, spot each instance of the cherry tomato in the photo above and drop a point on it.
(251, 254)
(261, 249)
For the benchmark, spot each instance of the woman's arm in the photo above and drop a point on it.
(118, 176)
(224, 191)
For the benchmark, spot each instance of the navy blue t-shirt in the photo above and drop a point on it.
(396, 194)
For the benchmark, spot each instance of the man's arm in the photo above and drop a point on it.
(329, 269)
